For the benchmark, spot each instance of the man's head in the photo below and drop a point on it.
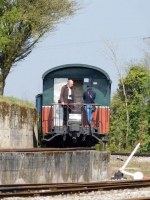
(70, 83)
(88, 87)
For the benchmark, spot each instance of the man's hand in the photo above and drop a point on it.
(62, 103)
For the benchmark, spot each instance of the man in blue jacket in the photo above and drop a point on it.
(89, 97)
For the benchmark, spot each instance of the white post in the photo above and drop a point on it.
(127, 161)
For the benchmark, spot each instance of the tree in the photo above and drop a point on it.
(137, 84)
(23, 23)
(111, 53)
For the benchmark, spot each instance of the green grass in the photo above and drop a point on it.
(13, 100)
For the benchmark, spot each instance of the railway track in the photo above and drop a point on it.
(46, 149)
(25, 190)
(128, 154)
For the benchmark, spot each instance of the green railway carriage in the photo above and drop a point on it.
(50, 125)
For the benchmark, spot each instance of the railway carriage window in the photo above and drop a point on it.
(58, 84)
(101, 85)
(58, 110)
(86, 80)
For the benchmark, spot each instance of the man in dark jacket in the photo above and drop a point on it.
(67, 97)
(89, 97)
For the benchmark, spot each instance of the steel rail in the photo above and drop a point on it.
(64, 188)
(128, 154)
(46, 149)
(102, 187)
(121, 182)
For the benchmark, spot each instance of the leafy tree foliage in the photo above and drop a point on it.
(23, 23)
(137, 84)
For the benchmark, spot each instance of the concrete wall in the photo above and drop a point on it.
(17, 126)
(52, 167)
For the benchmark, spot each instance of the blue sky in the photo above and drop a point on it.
(79, 40)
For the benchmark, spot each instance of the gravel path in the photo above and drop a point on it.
(100, 195)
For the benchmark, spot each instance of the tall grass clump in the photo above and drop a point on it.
(13, 100)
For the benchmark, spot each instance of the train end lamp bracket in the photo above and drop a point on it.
(136, 176)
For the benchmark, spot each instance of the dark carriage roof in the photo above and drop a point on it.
(76, 65)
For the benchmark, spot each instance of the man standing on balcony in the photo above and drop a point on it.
(67, 97)
(89, 97)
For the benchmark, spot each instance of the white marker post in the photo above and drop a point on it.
(136, 175)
